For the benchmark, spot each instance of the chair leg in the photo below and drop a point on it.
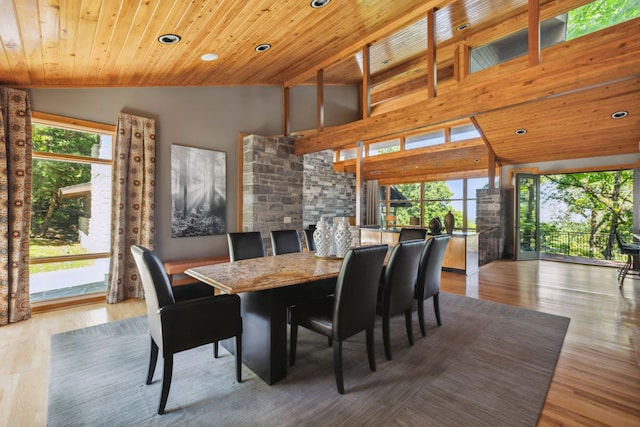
(337, 366)
(238, 357)
(386, 336)
(293, 340)
(215, 349)
(436, 308)
(421, 317)
(625, 268)
(407, 321)
(166, 382)
(153, 359)
(371, 353)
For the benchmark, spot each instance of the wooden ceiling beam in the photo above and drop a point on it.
(598, 59)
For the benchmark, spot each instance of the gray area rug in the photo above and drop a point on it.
(487, 365)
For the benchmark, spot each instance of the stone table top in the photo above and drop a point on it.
(269, 272)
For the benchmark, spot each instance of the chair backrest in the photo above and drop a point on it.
(308, 237)
(157, 287)
(357, 290)
(412, 234)
(430, 267)
(399, 280)
(245, 245)
(285, 242)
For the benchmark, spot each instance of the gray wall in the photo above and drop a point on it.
(202, 117)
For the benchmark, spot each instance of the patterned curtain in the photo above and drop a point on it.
(15, 204)
(133, 217)
(372, 210)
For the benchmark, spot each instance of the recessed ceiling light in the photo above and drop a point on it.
(319, 3)
(463, 26)
(520, 131)
(169, 38)
(209, 57)
(619, 115)
(263, 47)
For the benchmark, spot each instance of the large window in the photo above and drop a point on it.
(71, 209)
(415, 204)
(587, 19)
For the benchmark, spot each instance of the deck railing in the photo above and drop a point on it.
(579, 245)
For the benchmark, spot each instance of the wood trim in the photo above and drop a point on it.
(70, 158)
(63, 303)
(534, 32)
(65, 258)
(70, 123)
(286, 110)
(432, 64)
(366, 83)
(239, 182)
(320, 100)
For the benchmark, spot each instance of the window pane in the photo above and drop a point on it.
(71, 208)
(70, 278)
(424, 140)
(516, 45)
(600, 14)
(437, 190)
(461, 133)
(384, 147)
(457, 188)
(65, 141)
(475, 184)
(348, 154)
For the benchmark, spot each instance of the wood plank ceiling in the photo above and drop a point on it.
(111, 43)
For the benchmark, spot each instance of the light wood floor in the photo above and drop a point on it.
(596, 383)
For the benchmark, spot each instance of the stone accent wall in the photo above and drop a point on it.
(271, 185)
(490, 224)
(326, 193)
(278, 184)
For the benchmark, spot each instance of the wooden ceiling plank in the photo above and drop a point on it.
(85, 33)
(49, 13)
(13, 43)
(143, 34)
(69, 21)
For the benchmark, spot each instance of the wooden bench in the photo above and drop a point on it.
(178, 268)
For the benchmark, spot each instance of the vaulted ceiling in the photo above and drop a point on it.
(565, 101)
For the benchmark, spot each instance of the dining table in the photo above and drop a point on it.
(267, 287)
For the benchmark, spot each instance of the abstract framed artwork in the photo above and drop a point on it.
(198, 192)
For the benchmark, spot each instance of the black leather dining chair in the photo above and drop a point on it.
(412, 234)
(285, 242)
(429, 276)
(245, 245)
(308, 237)
(350, 310)
(631, 250)
(397, 288)
(183, 320)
